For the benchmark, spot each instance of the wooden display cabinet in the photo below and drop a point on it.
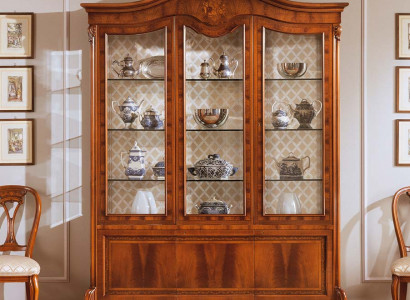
(280, 239)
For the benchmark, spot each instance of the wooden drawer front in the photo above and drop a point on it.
(139, 266)
(215, 264)
(290, 265)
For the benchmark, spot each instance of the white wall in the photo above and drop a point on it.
(62, 146)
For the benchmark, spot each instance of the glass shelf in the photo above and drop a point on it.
(214, 79)
(133, 129)
(136, 79)
(291, 79)
(294, 129)
(282, 180)
(135, 180)
(216, 129)
(214, 180)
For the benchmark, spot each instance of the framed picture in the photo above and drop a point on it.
(402, 142)
(403, 36)
(17, 142)
(403, 89)
(16, 88)
(16, 35)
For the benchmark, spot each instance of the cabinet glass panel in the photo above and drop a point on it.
(214, 107)
(135, 117)
(293, 68)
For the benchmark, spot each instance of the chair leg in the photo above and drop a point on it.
(403, 290)
(28, 290)
(34, 280)
(395, 287)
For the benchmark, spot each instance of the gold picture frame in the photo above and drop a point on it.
(403, 89)
(403, 142)
(17, 35)
(16, 88)
(403, 36)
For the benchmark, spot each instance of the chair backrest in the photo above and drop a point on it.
(402, 246)
(17, 193)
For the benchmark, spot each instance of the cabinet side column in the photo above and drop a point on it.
(337, 32)
(91, 292)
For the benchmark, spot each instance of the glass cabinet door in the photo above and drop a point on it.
(293, 123)
(214, 129)
(135, 112)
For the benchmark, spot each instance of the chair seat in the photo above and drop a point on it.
(401, 267)
(14, 265)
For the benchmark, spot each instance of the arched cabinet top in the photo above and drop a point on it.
(213, 12)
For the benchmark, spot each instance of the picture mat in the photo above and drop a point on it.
(26, 21)
(403, 142)
(27, 97)
(404, 31)
(19, 158)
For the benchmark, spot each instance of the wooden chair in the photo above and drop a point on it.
(401, 267)
(14, 268)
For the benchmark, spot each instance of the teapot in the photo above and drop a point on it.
(224, 69)
(305, 112)
(135, 167)
(291, 167)
(151, 119)
(281, 116)
(127, 68)
(205, 70)
(128, 111)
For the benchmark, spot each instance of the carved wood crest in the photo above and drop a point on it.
(213, 9)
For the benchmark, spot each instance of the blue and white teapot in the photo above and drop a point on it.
(128, 111)
(135, 168)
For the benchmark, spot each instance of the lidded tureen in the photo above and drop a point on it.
(213, 167)
(159, 170)
(213, 207)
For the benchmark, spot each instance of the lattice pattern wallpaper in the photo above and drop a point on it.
(282, 47)
(138, 46)
(278, 145)
(152, 92)
(230, 192)
(121, 195)
(229, 145)
(211, 94)
(199, 47)
(292, 92)
(309, 193)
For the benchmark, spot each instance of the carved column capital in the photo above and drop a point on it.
(337, 31)
(92, 31)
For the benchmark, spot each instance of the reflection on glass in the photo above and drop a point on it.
(293, 68)
(214, 122)
(135, 125)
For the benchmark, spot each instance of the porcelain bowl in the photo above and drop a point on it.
(292, 70)
(211, 117)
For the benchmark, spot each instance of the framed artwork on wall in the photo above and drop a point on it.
(16, 141)
(403, 142)
(403, 89)
(16, 88)
(403, 36)
(16, 35)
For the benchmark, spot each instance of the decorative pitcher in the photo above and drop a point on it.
(127, 70)
(128, 111)
(226, 68)
(291, 167)
(305, 112)
(281, 116)
(135, 168)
